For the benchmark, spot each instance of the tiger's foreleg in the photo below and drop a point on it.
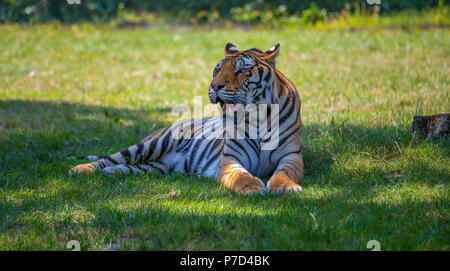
(233, 175)
(288, 174)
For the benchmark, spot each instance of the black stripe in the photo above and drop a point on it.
(254, 147)
(138, 155)
(203, 153)
(282, 142)
(157, 166)
(284, 155)
(186, 166)
(229, 154)
(289, 87)
(141, 168)
(287, 129)
(186, 146)
(267, 77)
(193, 152)
(246, 153)
(214, 157)
(263, 94)
(151, 149)
(285, 116)
(111, 160)
(283, 106)
(231, 147)
(127, 155)
(101, 164)
(127, 166)
(287, 137)
(165, 143)
(261, 73)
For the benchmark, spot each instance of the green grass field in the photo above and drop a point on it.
(80, 90)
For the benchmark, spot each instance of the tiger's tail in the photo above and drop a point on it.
(136, 158)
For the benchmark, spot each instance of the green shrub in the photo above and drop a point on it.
(313, 15)
(40, 11)
(257, 12)
(248, 11)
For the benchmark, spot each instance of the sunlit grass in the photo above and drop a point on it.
(80, 90)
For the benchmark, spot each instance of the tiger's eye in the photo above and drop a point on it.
(242, 70)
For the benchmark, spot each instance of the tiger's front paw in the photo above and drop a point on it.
(249, 185)
(280, 183)
(83, 168)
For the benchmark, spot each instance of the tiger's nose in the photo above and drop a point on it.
(217, 86)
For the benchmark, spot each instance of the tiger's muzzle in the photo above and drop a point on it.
(214, 98)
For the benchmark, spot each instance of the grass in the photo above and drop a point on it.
(80, 90)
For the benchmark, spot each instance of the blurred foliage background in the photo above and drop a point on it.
(272, 12)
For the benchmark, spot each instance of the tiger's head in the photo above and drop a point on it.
(244, 77)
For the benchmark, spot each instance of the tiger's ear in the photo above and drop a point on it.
(272, 54)
(230, 49)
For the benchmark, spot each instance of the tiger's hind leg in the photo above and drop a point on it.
(105, 161)
(126, 169)
(130, 159)
(135, 169)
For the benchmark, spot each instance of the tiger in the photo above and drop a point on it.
(241, 78)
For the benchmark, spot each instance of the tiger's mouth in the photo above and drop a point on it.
(227, 106)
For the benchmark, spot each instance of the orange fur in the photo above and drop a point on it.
(84, 168)
(239, 181)
(281, 183)
(227, 77)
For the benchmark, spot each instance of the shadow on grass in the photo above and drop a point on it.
(37, 136)
(42, 134)
(185, 222)
(39, 116)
